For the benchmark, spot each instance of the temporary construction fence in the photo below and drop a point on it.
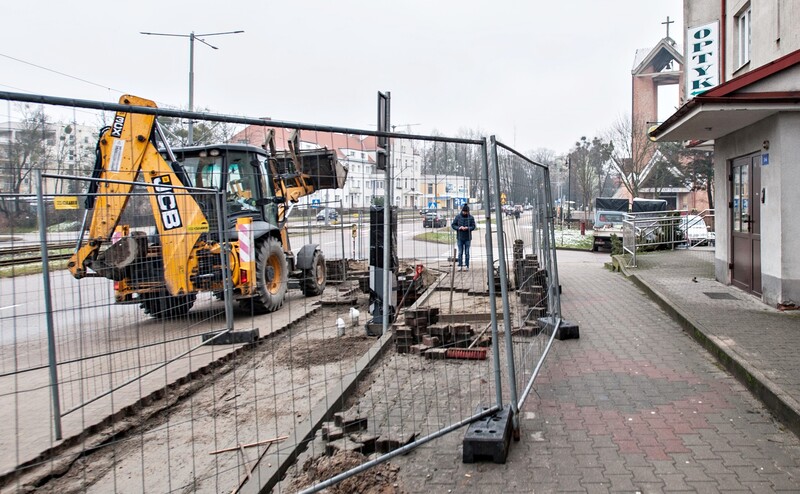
(116, 381)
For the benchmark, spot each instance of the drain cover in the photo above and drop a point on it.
(720, 296)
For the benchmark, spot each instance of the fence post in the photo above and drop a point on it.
(225, 258)
(490, 276)
(48, 308)
(512, 375)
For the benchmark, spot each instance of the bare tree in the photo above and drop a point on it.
(23, 154)
(631, 151)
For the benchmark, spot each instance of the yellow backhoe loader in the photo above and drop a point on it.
(191, 191)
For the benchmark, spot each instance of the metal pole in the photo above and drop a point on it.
(387, 215)
(225, 253)
(48, 309)
(512, 375)
(490, 274)
(190, 138)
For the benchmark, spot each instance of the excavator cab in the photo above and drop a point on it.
(237, 170)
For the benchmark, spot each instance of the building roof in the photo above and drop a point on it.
(657, 58)
(257, 135)
(737, 103)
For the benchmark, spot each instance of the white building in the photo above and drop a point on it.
(743, 100)
(63, 149)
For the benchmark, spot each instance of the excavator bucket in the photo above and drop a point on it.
(319, 166)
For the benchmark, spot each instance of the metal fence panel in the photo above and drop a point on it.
(145, 402)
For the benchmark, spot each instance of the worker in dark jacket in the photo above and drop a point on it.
(463, 223)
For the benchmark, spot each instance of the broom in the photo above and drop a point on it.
(470, 353)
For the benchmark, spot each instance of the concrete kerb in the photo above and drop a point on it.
(784, 406)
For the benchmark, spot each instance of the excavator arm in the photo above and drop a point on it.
(125, 153)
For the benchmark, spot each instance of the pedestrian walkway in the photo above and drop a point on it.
(634, 405)
(755, 342)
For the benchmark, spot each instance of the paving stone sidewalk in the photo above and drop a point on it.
(756, 342)
(634, 405)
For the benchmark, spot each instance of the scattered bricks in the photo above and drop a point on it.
(430, 341)
(441, 332)
(350, 423)
(345, 444)
(418, 349)
(460, 331)
(403, 332)
(368, 442)
(330, 432)
(436, 353)
(417, 322)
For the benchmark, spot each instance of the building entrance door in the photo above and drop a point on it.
(746, 223)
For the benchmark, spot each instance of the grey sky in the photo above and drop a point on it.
(535, 73)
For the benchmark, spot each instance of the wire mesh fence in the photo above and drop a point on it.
(214, 320)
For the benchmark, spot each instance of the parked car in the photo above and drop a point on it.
(332, 215)
(434, 220)
(695, 231)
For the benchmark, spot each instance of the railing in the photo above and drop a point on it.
(658, 230)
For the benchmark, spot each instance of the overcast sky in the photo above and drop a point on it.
(537, 74)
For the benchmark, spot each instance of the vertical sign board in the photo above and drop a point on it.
(702, 58)
(382, 154)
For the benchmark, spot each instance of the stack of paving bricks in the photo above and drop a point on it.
(336, 270)
(533, 291)
(438, 338)
(518, 263)
(417, 322)
(348, 432)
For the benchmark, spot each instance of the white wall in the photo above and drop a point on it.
(780, 223)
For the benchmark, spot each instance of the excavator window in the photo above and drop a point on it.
(242, 187)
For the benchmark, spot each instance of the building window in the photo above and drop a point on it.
(743, 36)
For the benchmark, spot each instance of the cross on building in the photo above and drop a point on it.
(668, 22)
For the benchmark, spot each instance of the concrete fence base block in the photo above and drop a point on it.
(488, 438)
(566, 331)
(232, 337)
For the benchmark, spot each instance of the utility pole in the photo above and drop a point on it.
(192, 36)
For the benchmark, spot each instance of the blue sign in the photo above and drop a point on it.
(315, 203)
(459, 201)
(765, 159)
(433, 205)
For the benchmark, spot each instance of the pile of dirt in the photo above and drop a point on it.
(324, 351)
(381, 479)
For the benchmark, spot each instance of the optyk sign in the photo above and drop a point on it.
(702, 59)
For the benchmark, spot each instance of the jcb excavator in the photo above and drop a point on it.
(191, 191)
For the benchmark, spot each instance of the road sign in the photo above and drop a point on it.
(503, 198)
(315, 203)
(433, 205)
(459, 201)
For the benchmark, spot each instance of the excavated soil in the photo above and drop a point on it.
(381, 479)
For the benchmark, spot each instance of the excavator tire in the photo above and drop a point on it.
(272, 274)
(315, 278)
(164, 306)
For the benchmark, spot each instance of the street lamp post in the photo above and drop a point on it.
(192, 36)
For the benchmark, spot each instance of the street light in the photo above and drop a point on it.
(192, 37)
